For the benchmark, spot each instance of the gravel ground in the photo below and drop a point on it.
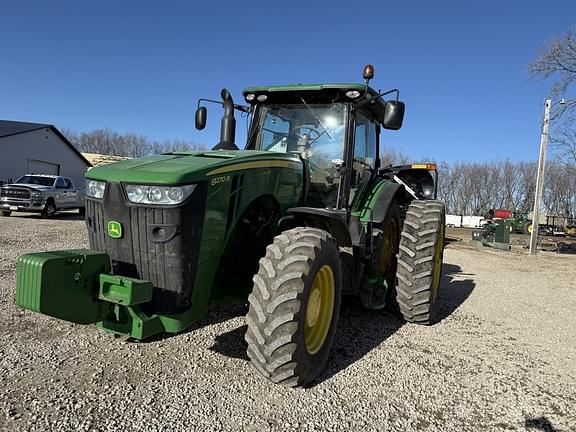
(502, 357)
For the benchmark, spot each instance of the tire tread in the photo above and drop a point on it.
(418, 240)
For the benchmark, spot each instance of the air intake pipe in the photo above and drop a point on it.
(227, 124)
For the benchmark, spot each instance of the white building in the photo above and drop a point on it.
(34, 148)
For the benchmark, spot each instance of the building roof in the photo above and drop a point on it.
(97, 159)
(9, 128)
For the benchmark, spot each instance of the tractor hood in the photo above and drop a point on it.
(190, 167)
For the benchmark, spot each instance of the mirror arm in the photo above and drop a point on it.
(379, 95)
(242, 108)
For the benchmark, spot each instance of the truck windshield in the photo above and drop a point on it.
(37, 180)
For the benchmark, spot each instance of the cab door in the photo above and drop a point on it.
(62, 193)
(365, 153)
(71, 193)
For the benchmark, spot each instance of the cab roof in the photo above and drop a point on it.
(306, 87)
(314, 93)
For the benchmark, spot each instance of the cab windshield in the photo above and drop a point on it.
(37, 180)
(314, 131)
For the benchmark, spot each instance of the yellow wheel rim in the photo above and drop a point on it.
(389, 243)
(438, 263)
(319, 310)
(530, 228)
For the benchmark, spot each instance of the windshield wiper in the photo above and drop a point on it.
(324, 131)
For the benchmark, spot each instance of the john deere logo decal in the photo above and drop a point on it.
(114, 229)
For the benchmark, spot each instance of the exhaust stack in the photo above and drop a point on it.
(227, 124)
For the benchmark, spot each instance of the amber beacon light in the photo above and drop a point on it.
(368, 73)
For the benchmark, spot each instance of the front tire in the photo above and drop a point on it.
(49, 210)
(420, 261)
(294, 306)
(6, 213)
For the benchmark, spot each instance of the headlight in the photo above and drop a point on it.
(167, 195)
(428, 191)
(95, 189)
(37, 195)
(352, 94)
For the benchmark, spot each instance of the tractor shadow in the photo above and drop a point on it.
(456, 287)
(226, 343)
(359, 330)
(540, 424)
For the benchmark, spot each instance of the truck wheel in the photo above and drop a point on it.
(420, 261)
(49, 209)
(6, 213)
(294, 306)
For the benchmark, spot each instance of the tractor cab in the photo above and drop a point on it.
(333, 128)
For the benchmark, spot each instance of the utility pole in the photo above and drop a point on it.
(540, 178)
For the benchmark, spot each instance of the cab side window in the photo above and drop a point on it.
(364, 151)
(60, 183)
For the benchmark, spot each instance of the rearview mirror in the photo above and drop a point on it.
(393, 115)
(200, 118)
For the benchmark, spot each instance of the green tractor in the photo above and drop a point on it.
(300, 217)
(520, 223)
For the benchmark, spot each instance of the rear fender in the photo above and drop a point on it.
(378, 202)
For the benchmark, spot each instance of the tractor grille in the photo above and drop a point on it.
(159, 244)
(20, 193)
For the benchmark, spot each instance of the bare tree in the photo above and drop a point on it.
(508, 177)
(168, 146)
(71, 134)
(557, 60)
(475, 188)
(392, 156)
(527, 172)
(559, 197)
(109, 142)
(565, 141)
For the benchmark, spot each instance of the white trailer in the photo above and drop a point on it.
(471, 221)
(453, 221)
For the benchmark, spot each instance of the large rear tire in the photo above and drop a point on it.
(420, 261)
(294, 306)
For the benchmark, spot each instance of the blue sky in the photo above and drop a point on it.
(137, 66)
